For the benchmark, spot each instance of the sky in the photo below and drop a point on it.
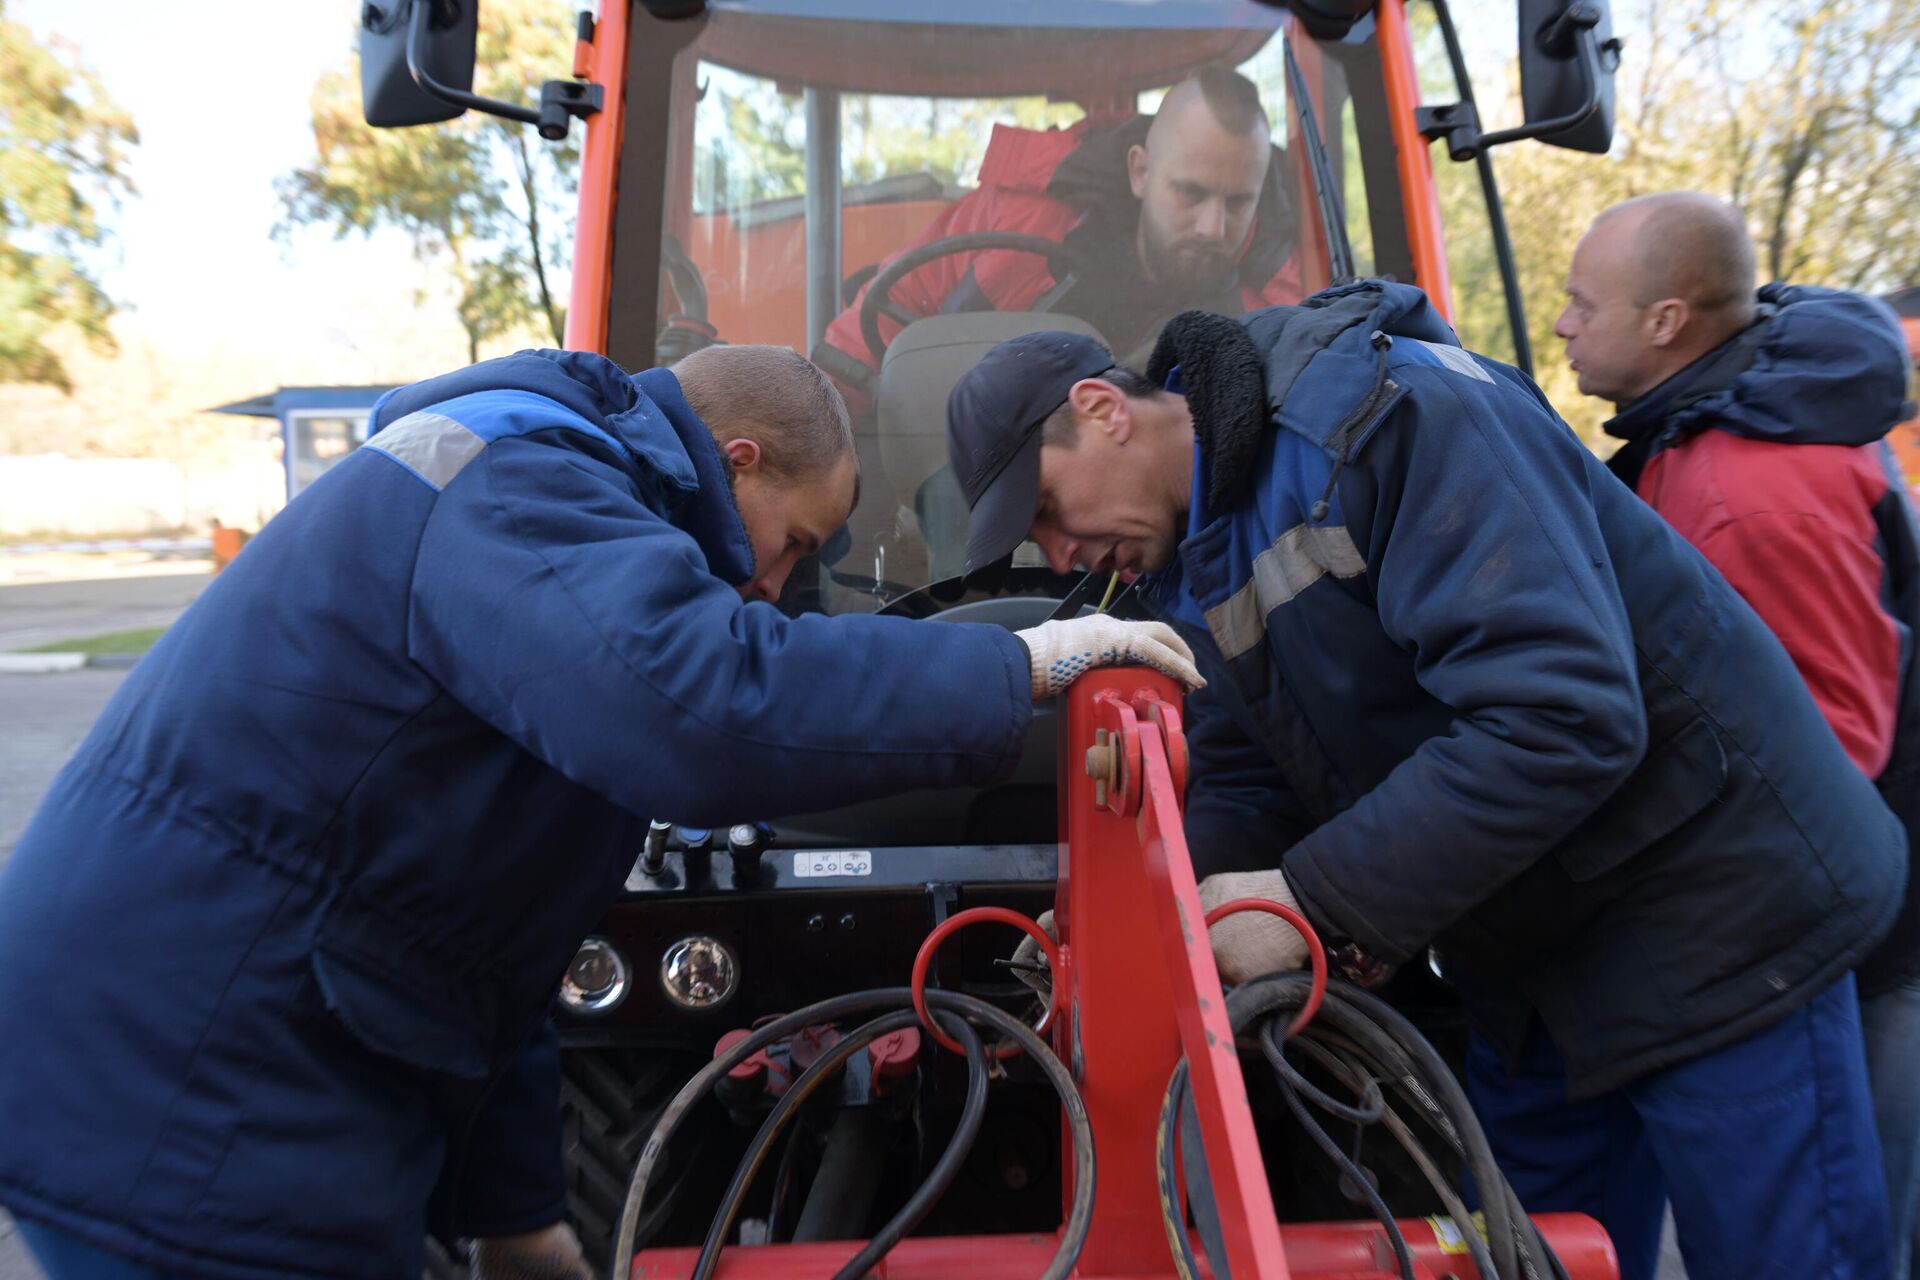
(218, 90)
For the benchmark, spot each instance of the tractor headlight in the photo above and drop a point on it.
(699, 972)
(596, 981)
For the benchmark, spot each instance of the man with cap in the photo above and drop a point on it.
(1466, 691)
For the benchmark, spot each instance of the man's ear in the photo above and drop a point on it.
(1104, 405)
(1137, 170)
(744, 454)
(1669, 321)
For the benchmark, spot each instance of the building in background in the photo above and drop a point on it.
(318, 425)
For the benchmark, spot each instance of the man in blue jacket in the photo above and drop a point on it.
(292, 916)
(1466, 690)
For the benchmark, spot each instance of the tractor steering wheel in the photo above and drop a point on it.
(878, 300)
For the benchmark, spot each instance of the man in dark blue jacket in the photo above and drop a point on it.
(1466, 690)
(292, 916)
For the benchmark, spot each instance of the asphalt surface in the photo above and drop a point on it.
(33, 614)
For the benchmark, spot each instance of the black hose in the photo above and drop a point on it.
(1379, 1045)
(1073, 1236)
(782, 1182)
(945, 1170)
(1324, 1140)
(1167, 1177)
(1373, 1104)
(1357, 1078)
(824, 1069)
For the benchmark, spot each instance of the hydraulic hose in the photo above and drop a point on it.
(1080, 1213)
(825, 1069)
(1364, 1043)
(945, 1170)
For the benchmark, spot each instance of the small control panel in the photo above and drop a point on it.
(834, 862)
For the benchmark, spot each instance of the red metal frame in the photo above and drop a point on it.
(606, 62)
(1419, 197)
(1126, 1013)
(1109, 919)
(606, 59)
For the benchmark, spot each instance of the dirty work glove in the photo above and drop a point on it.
(1062, 651)
(1030, 962)
(1251, 944)
(552, 1253)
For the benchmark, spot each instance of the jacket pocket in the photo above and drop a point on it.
(397, 1008)
(1678, 779)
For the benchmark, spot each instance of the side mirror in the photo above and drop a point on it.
(390, 96)
(1327, 19)
(1567, 59)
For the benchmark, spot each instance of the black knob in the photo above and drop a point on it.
(653, 858)
(697, 842)
(746, 843)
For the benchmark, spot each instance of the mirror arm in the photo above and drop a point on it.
(1459, 123)
(559, 99)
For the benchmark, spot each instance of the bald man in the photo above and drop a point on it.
(1182, 209)
(1754, 424)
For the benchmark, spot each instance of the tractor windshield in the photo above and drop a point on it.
(893, 186)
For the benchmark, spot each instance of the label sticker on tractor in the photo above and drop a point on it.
(840, 862)
(1447, 1234)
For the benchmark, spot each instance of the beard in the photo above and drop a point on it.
(1189, 268)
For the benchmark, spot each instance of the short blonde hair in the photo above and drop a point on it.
(773, 397)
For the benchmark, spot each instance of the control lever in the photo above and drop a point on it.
(698, 856)
(653, 857)
(746, 843)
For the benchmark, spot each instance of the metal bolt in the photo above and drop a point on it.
(1100, 765)
(847, 922)
(815, 923)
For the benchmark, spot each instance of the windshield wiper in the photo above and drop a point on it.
(1333, 217)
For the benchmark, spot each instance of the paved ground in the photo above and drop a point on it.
(131, 591)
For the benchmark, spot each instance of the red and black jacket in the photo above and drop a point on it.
(1768, 454)
(1068, 185)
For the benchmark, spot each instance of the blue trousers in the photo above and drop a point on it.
(67, 1257)
(1892, 1024)
(1766, 1149)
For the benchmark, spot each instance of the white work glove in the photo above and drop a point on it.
(1252, 944)
(1062, 651)
(551, 1253)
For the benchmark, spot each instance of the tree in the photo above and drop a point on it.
(1802, 114)
(482, 197)
(63, 156)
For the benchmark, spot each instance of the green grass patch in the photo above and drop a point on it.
(136, 641)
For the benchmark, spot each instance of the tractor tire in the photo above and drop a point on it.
(610, 1100)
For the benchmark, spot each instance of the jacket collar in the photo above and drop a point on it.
(668, 436)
